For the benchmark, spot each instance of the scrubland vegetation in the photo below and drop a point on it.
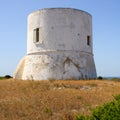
(54, 100)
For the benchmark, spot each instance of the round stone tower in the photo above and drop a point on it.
(59, 46)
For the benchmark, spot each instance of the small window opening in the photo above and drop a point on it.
(36, 35)
(88, 40)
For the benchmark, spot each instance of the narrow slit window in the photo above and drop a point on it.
(88, 40)
(36, 35)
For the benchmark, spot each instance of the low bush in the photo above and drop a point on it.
(99, 77)
(7, 76)
(109, 111)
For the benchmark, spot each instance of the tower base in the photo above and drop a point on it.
(57, 65)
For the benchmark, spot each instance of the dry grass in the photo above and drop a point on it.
(53, 100)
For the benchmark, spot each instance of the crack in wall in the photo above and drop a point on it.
(69, 61)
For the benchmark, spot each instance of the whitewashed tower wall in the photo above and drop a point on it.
(59, 46)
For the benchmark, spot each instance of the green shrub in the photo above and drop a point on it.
(117, 97)
(99, 77)
(7, 76)
(109, 111)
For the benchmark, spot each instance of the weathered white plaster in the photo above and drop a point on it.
(62, 51)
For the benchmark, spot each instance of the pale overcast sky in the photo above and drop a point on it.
(106, 31)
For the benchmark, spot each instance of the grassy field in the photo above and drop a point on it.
(53, 100)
